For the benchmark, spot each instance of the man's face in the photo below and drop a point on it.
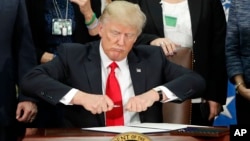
(117, 39)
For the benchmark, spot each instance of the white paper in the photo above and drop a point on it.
(124, 129)
(140, 128)
(163, 126)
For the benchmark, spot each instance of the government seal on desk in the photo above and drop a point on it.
(131, 136)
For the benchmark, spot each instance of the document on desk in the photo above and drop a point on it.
(140, 128)
(162, 126)
(124, 129)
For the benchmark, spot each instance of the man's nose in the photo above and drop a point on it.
(121, 39)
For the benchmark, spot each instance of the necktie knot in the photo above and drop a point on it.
(113, 66)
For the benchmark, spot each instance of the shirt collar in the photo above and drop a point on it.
(106, 61)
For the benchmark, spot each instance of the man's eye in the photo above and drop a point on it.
(115, 33)
(130, 36)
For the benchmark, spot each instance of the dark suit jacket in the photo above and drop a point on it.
(209, 30)
(17, 56)
(78, 66)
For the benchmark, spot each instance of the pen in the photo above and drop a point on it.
(115, 106)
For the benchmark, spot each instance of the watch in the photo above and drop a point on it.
(160, 95)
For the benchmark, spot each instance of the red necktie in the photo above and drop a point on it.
(115, 116)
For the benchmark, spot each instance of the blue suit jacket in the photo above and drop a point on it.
(78, 66)
(17, 56)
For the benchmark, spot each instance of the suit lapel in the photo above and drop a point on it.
(195, 12)
(93, 68)
(137, 72)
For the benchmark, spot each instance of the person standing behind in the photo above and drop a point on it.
(200, 25)
(81, 18)
(59, 21)
(86, 93)
(238, 56)
(17, 56)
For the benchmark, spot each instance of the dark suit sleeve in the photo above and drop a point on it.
(24, 51)
(145, 39)
(159, 71)
(183, 82)
(48, 81)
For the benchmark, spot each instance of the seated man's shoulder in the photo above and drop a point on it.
(147, 49)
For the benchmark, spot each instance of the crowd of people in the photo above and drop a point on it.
(56, 56)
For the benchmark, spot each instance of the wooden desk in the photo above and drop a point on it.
(82, 135)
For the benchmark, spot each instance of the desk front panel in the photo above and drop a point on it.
(82, 135)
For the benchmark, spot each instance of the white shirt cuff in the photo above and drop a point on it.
(68, 97)
(170, 95)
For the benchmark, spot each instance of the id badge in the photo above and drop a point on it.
(170, 21)
(62, 27)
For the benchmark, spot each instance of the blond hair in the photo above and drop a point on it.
(124, 12)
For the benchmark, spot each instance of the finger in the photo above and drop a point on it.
(132, 107)
(170, 47)
(75, 1)
(141, 107)
(109, 103)
(144, 105)
(128, 106)
(144, 108)
(212, 116)
(32, 119)
(165, 50)
(18, 112)
(22, 115)
(99, 110)
(96, 109)
(104, 108)
(27, 116)
(213, 113)
(93, 111)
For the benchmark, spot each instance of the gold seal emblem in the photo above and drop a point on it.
(131, 136)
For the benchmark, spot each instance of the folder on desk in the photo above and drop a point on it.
(202, 131)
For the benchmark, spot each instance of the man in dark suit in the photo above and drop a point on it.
(75, 80)
(17, 57)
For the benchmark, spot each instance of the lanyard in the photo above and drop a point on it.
(58, 11)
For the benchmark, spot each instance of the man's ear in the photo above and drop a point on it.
(100, 29)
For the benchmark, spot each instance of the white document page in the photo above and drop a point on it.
(140, 128)
(164, 126)
(124, 129)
